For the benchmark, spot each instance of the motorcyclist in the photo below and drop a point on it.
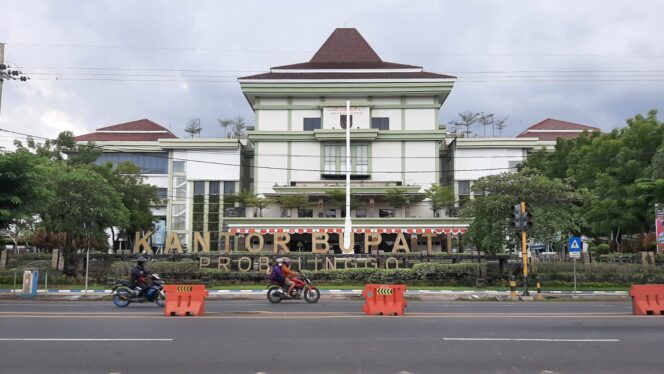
(288, 274)
(138, 274)
(275, 274)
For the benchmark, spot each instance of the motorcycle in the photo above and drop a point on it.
(303, 288)
(124, 294)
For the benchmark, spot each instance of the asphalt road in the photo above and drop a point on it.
(330, 337)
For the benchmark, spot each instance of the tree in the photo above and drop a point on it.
(193, 127)
(23, 194)
(137, 197)
(225, 123)
(336, 198)
(248, 199)
(552, 203)
(237, 125)
(294, 201)
(500, 124)
(440, 197)
(486, 120)
(613, 168)
(63, 148)
(84, 205)
(466, 120)
(397, 199)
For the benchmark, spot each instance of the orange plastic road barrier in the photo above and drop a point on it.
(384, 299)
(185, 299)
(647, 299)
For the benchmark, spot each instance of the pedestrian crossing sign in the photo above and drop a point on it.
(575, 245)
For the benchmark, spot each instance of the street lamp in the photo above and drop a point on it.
(348, 224)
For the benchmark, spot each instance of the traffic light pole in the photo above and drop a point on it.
(524, 252)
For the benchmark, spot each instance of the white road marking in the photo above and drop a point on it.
(81, 340)
(531, 340)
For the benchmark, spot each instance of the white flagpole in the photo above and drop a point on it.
(347, 223)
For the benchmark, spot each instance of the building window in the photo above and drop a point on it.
(214, 187)
(199, 188)
(178, 167)
(179, 188)
(162, 193)
(360, 156)
(380, 123)
(361, 213)
(334, 159)
(330, 213)
(513, 165)
(179, 219)
(311, 124)
(342, 121)
(305, 213)
(152, 163)
(229, 188)
(385, 213)
(464, 193)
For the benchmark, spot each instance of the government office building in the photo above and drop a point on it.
(297, 147)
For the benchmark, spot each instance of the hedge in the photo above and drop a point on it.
(599, 273)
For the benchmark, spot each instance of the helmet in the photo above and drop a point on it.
(286, 260)
(141, 260)
(280, 260)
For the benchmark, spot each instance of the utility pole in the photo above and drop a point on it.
(6, 73)
(2, 64)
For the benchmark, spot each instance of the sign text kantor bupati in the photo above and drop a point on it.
(255, 242)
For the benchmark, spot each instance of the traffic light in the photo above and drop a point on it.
(515, 223)
(521, 221)
(527, 219)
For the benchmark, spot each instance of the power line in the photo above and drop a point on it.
(281, 51)
(152, 154)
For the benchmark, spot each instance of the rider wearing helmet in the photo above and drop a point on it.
(138, 274)
(288, 274)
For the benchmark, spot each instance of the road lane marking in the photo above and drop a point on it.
(82, 340)
(530, 340)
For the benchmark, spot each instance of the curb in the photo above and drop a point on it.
(358, 292)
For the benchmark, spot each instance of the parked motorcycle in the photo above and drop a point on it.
(124, 294)
(303, 288)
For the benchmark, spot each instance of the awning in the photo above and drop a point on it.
(336, 230)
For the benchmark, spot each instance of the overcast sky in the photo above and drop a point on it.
(589, 62)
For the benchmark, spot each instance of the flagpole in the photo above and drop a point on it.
(347, 223)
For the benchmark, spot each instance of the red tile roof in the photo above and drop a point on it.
(345, 45)
(140, 130)
(349, 75)
(346, 49)
(556, 124)
(552, 129)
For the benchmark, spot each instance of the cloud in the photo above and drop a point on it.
(192, 52)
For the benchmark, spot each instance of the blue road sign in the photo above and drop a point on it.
(575, 246)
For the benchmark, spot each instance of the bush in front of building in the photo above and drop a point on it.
(430, 274)
(123, 268)
(597, 274)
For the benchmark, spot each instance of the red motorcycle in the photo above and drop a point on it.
(303, 288)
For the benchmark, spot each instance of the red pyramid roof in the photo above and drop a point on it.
(345, 48)
(140, 130)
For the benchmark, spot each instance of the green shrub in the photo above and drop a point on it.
(602, 249)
